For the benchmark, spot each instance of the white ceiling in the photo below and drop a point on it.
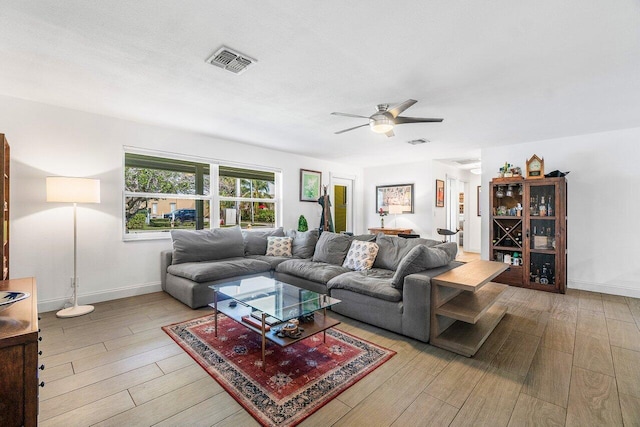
(498, 72)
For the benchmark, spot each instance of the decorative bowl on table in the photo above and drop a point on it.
(7, 299)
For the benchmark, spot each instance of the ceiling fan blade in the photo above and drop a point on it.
(397, 109)
(403, 120)
(350, 115)
(347, 130)
(390, 133)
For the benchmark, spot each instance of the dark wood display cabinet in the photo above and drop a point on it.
(19, 357)
(528, 230)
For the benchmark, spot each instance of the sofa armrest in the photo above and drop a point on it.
(166, 257)
(416, 300)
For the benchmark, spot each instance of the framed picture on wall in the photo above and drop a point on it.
(310, 185)
(479, 191)
(439, 193)
(400, 196)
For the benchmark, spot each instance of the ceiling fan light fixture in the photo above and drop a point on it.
(381, 124)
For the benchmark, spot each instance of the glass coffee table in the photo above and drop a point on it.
(265, 305)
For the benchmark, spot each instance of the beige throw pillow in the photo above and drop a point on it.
(278, 246)
(361, 255)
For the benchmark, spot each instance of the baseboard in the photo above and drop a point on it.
(107, 295)
(625, 291)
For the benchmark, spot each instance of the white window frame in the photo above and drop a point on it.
(213, 198)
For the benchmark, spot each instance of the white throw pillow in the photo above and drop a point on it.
(361, 255)
(278, 246)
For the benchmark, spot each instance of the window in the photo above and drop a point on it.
(162, 194)
(247, 197)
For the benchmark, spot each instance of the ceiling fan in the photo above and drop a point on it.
(383, 120)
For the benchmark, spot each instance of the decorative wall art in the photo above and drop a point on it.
(394, 195)
(439, 193)
(479, 192)
(310, 185)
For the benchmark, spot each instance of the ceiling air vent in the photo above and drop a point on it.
(466, 162)
(418, 141)
(231, 60)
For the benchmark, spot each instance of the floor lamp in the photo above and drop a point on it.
(73, 190)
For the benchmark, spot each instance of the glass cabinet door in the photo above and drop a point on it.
(542, 235)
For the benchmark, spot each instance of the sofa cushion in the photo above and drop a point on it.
(393, 248)
(332, 248)
(364, 237)
(361, 255)
(320, 272)
(304, 242)
(255, 242)
(422, 258)
(375, 283)
(278, 246)
(273, 261)
(206, 245)
(218, 269)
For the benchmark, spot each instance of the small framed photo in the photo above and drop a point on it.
(439, 193)
(399, 196)
(310, 185)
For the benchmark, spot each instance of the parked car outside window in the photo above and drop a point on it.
(182, 215)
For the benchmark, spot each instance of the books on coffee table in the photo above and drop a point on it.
(269, 320)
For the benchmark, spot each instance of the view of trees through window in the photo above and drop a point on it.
(162, 194)
(246, 197)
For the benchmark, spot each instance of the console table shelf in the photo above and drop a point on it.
(463, 313)
(466, 338)
(469, 307)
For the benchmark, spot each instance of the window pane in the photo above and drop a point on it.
(227, 187)
(147, 174)
(171, 214)
(256, 214)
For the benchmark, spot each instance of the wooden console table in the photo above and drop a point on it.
(390, 231)
(463, 313)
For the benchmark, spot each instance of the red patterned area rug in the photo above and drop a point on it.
(298, 380)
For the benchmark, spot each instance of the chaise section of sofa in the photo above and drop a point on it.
(203, 258)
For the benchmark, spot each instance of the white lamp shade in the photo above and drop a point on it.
(395, 209)
(73, 190)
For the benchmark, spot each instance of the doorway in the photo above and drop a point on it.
(457, 208)
(342, 189)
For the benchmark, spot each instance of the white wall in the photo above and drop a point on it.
(47, 140)
(426, 217)
(419, 174)
(603, 204)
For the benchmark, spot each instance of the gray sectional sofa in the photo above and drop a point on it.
(382, 280)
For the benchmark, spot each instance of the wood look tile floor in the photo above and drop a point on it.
(569, 360)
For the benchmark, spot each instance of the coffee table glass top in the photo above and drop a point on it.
(273, 297)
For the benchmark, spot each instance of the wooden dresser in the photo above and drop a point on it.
(19, 357)
(390, 231)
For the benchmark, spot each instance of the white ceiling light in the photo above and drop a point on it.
(380, 123)
(476, 171)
